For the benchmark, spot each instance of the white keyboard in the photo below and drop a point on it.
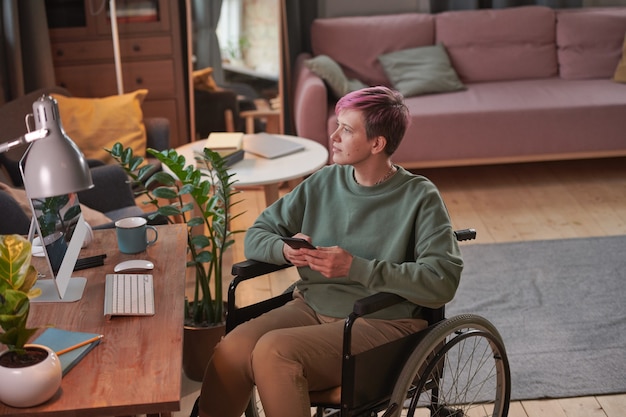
(128, 295)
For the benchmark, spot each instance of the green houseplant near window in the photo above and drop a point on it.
(190, 190)
(29, 374)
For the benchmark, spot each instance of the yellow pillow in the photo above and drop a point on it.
(620, 71)
(97, 123)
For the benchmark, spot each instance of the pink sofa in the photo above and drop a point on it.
(539, 83)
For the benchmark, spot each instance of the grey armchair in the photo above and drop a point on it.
(13, 220)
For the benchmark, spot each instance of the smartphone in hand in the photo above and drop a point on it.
(297, 243)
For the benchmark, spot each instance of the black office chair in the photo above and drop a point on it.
(454, 365)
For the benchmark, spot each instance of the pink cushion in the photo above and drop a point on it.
(356, 42)
(517, 120)
(590, 41)
(505, 44)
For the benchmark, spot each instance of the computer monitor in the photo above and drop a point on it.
(61, 229)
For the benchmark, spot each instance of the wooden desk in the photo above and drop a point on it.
(136, 369)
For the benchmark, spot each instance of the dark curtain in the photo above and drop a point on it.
(25, 53)
(296, 18)
(206, 16)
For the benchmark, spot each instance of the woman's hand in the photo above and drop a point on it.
(331, 262)
(296, 256)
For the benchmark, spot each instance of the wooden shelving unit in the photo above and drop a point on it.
(153, 49)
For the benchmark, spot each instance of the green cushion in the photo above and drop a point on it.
(422, 70)
(330, 71)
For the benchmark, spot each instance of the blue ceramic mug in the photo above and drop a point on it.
(132, 234)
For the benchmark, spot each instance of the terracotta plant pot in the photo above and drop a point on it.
(32, 384)
(198, 345)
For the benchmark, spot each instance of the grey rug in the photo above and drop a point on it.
(560, 308)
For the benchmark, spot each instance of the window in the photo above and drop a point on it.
(229, 30)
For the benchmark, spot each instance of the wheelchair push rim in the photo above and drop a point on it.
(460, 368)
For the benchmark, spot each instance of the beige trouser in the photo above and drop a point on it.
(287, 353)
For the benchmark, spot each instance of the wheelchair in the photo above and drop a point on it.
(455, 367)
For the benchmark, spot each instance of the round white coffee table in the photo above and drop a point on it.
(269, 173)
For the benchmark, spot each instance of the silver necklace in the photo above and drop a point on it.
(389, 173)
(392, 170)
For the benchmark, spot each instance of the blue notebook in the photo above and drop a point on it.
(57, 339)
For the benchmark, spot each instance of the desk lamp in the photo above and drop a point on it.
(54, 167)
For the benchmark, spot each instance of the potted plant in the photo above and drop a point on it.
(235, 51)
(29, 374)
(200, 195)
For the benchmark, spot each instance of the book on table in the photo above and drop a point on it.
(59, 340)
(226, 142)
(229, 157)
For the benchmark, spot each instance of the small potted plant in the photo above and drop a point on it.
(29, 374)
(199, 194)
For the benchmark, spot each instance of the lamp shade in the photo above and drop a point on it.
(53, 165)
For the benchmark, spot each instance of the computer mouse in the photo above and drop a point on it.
(133, 265)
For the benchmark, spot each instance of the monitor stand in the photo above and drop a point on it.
(50, 294)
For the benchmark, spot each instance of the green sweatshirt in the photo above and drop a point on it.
(399, 233)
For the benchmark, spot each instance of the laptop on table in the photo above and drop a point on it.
(270, 146)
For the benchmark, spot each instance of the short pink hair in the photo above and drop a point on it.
(384, 113)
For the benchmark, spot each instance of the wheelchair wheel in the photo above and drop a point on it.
(460, 368)
(254, 408)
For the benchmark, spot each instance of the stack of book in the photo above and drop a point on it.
(228, 145)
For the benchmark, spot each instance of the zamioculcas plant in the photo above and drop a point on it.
(201, 194)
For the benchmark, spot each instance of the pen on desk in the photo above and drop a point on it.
(81, 344)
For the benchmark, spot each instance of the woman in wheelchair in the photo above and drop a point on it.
(376, 227)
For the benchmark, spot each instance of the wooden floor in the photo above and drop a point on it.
(504, 203)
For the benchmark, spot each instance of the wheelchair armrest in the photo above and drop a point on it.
(362, 307)
(250, 269)
(243, 271)
(375, 302)
(465, 234)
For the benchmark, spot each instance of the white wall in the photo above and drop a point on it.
(261, 29)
